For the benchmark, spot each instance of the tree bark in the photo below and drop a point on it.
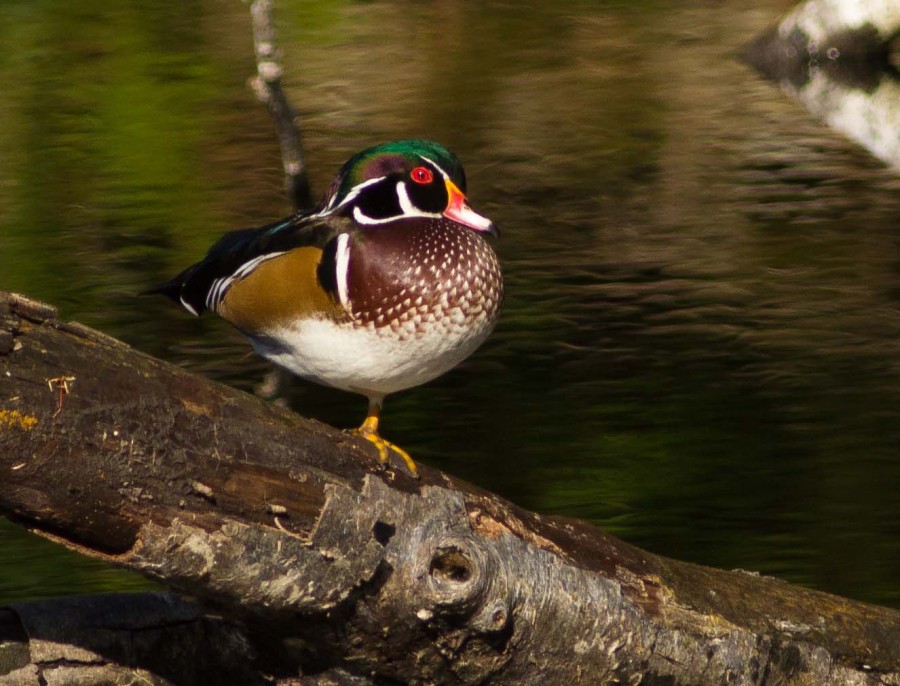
(330, 567)
(149, 638)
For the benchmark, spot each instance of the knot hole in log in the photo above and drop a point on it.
(450, 565)
(383, 532)
(461, 583)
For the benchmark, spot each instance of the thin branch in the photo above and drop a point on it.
(267, 86)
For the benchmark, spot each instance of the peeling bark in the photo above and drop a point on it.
(341, 572)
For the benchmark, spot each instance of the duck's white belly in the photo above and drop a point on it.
(375, 361)
(418, 300)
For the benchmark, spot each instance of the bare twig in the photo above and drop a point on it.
(267, 86)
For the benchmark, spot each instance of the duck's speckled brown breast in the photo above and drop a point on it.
(424, 277)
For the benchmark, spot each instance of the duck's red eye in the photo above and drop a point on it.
(421, 175)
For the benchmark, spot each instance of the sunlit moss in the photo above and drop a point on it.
(13, 419)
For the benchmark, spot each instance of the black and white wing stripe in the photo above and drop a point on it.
(203, 285)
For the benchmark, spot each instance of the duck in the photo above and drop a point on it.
(390, 282)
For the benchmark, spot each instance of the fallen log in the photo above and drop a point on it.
(338, 570)
(149, 638)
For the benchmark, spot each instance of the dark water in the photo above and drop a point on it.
(700, 348)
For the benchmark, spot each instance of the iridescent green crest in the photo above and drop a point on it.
(397, 156)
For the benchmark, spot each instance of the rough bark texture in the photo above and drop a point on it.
(353, 574)
(150, 638)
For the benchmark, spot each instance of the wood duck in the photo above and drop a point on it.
(387, 284)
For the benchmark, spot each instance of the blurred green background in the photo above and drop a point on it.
(700, 350)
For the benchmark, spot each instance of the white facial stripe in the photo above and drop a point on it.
(412, 212)
(403, 196)
(405, 202)
(436, 166)
(351, 195)
(341, 267)
(365, 219)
